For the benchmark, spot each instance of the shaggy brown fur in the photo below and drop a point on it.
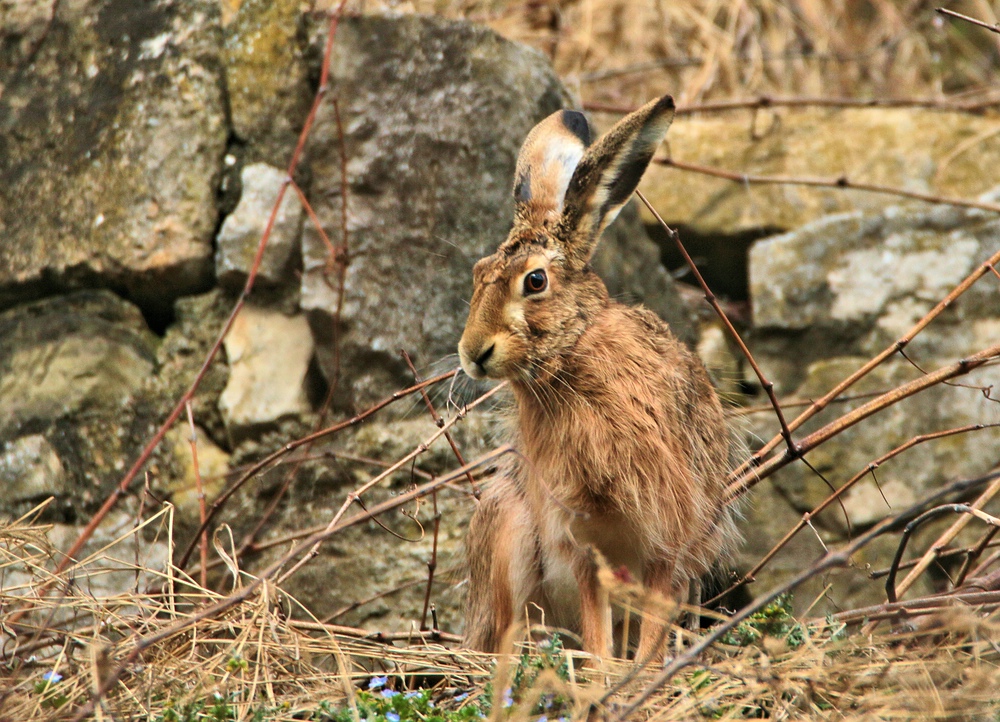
(623, 444)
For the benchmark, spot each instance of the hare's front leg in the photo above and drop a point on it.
(504, 572)
(661, 589)
(595, 607)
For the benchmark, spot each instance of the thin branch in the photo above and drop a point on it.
(931, 554)
(973, 554)
(771, 101)
(792, 449)
(890, 581)
(357, 493)
(839, 182)
(960, 368)
(835, 496)
(439, 422)
(917, 607)
(951, 13)
(839, 558)
(747, 474)
(142, 643)
(200, 488)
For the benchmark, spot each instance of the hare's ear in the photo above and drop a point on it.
(548, 158)
(607, 175)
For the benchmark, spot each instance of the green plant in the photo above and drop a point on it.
(52, 698)
(774, 620)
(380, 703)
(530, 668)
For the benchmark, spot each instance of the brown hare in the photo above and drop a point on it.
(621, 438)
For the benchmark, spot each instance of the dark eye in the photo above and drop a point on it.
(535, 282)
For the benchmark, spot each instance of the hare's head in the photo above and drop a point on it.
(533, 298)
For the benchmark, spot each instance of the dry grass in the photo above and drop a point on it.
(254, 660)
(626, 51)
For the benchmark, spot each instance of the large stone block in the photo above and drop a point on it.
(433, 114)
(113, 132)
(831, 295)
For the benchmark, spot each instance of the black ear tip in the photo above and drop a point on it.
(664, 104)
(576, 123)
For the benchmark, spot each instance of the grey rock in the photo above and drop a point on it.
(433, 113)
(198, 320)
(111, 139)
(77, 370)
(831, 295)
(241, 232)
(854, 283)
(267, 75)
(30, 469)
(907, 148)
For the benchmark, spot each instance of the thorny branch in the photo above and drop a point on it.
(839, 182)
(142, 643)
(748, 473)
(792, 449)
(832, 559)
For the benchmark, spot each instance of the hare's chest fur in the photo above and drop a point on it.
(613, 461)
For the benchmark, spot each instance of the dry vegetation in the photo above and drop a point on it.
(173, 649)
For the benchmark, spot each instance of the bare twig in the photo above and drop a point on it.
(839, 182)
(357, 493)
(918, 607)
(849, 419)
(274, 456)
(973, 554)
(890, 582)
(830, 560)
(931, 554)
(771, 101)
(951, 13)
(809, 516)
(439, 422)
(746, 475)
(792, 449)
(201, 497)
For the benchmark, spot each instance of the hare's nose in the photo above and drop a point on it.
(485, 356)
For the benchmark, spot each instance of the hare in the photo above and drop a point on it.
(622, 444)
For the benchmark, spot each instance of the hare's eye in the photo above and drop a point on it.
(535, 282)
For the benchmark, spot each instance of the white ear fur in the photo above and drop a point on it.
(546, 163)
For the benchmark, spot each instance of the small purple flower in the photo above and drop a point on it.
(508, 697)
(413, 693)
(52, 677)
(389, 693)
(543, 718)
(463, 696)
(392, 716)
(377, 682)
